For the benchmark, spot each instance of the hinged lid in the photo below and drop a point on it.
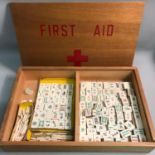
(87, 34)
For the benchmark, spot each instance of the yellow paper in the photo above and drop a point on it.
(24, 105)
(57, 80)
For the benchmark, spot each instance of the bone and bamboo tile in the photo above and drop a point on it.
(22, 121)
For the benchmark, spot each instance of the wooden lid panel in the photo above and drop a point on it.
(87, 34)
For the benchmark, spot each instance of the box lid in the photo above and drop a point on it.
(87, 34)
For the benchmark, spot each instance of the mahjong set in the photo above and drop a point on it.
(77, 89)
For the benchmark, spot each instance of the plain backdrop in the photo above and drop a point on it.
(10, 59)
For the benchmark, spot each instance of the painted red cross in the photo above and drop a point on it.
(77, 58)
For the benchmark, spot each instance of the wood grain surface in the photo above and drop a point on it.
(104, 33)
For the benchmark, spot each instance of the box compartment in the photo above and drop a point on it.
(29, 78)
(114, 75)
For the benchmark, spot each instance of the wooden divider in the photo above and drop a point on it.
(77, 111)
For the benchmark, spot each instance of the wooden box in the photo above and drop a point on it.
(52, 37)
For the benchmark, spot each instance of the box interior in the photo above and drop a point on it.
(30, 78)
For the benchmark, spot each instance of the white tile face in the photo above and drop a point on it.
(53, 108)
(109, 112)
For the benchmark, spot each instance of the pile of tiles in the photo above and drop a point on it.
(109, 112)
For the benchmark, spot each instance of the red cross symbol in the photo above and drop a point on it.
(77, 58)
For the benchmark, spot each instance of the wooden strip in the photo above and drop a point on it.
(79, 146)
(66, 68)
(77, 109)
(66, 143)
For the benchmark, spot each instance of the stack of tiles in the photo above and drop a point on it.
(22, 121)
(52, 118)
(109, 112)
